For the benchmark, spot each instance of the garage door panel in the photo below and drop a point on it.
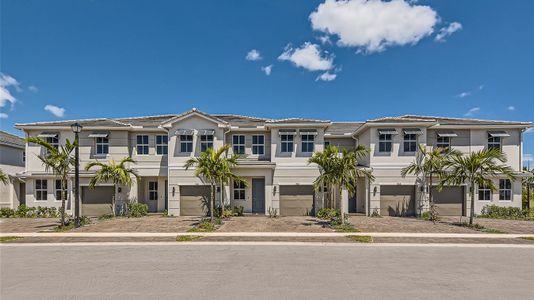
(449, 201)
(296, 200)
(192, 199)
(397, 200)
(97, 201)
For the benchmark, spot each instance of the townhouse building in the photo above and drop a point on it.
(275, 154)
(12, 161)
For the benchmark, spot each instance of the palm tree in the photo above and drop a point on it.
(427, 164)
(475, 168)
(118, 174)
(339, 170)
(226, 176)
(215, 168)
(60, 161)
(527, 183)
(4, 178)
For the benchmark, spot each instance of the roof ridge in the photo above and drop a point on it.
(142, 117)
(464, 119)
(242, 116)
(64, 121)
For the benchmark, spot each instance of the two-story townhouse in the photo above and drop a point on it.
(12, 159)
(274, 162)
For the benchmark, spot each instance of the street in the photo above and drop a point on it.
(247, 271)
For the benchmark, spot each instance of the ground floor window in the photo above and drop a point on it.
(484, 193)
(41, 190)
(505, 190)
(152, 190)
(61, 190)
(239, 190)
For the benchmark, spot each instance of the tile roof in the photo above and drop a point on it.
(296, 120)
(11, 140)
(343, 128)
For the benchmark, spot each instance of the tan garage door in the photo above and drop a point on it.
(450, 201)
(296, 200)
(194, 200)
(397, 200)
(97, 201)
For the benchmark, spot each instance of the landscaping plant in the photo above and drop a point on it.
(137, 210)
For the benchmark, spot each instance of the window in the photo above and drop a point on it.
(41, 190)
(152, 190)
(286, 143)
(239, 190)
(162, 142)
(186, 143)
(54, 141)
(484, 193)
(326, 144)
(443, 142)
(384, 143)
(258, 144)
(142, 145)
(61, 190)
(505, 190)
(494, 142)
(23, 156)
(238, 142)
(102, 145)
(410, 142)
(206, 141)
(307, 142)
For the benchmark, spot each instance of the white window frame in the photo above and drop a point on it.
(162, 144)
(257, 146)
(408, 141)
(39, 190)
(187, 142)
(104, 143)
(239, 187)
(289, 141)
(238, 145)
(309, 140)
(206, 142)
(54, 141)
(505, 191)
(143, 146)
(494, 142)
(153, 190)
(385, 139)
(442, 144)
(60, 189)
(487, 191)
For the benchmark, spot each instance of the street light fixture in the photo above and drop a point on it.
(76, 128)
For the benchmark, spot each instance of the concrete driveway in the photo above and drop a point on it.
(27, 224)
(151, 223)
(280, 224)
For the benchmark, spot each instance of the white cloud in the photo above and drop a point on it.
(253, 55)
(33, 88)
(7, 81)
(373, 25)
(447, 31)
(309, 56)
(326, 76)
(472, 111)
(464, 94)
(324, 39)
(267, 69)
(512, 108)
(55, 110)
(3, 116)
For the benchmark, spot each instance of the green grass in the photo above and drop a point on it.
(187, 238)
(4, 239)
(60, 228)
(361, 238)
(529, 238)
(492, 230)
(204, 226)
(344, 228)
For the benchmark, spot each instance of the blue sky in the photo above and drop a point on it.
(87, 59)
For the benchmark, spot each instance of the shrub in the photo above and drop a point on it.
(328, 213)
(106, 217)
(6, 212)
(137, 210)
(426, 216)
(70, 224)
(25, 212)
(347, 227)
(206, 225)
(273, 212)
(376, 214)
(500, 212)
(238, 211)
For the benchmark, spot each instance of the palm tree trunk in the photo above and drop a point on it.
(113, 200)
(212, 202)
(222, 198)
(472, 191)
(63, 196)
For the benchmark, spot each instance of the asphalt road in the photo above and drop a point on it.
(281, 272)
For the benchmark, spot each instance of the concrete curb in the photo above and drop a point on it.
(265, 234)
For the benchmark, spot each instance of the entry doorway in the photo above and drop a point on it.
(258, 195)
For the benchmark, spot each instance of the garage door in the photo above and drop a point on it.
(97, 201)
(450, 201)
(296, 200)
(397, 200)
(194, 200)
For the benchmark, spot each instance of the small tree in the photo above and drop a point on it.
(528, 182)
(4, 178)
(60, 161)
(226, 175)
(118, 174)
(475, 168)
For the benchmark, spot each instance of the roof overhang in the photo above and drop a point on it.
(426, 124)
(193, 113)
(298, 125)
(487, 126)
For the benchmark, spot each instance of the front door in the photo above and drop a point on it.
(166, 195)
(258, 196)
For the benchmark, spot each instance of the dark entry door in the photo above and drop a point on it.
(258, 196)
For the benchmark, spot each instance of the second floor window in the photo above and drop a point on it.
(286, 143)
(238, 144)
(505, 190)
(186, 143)
(384, 143)
(23, 156)
(410, 142)
(152, 190)
(206, 141)
(494, 142)
(102, 145)
(142, 145)
(443, 142)
(307, 142)
(61, 190)
(258, 144)
(54, 141)
(41, 190)
(162, 142)
(484, 193)
(239, 190)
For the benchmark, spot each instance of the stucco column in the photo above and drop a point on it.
(344, 201)
(374, 198)
(174, 200)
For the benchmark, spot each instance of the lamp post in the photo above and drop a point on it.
(76, 128)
